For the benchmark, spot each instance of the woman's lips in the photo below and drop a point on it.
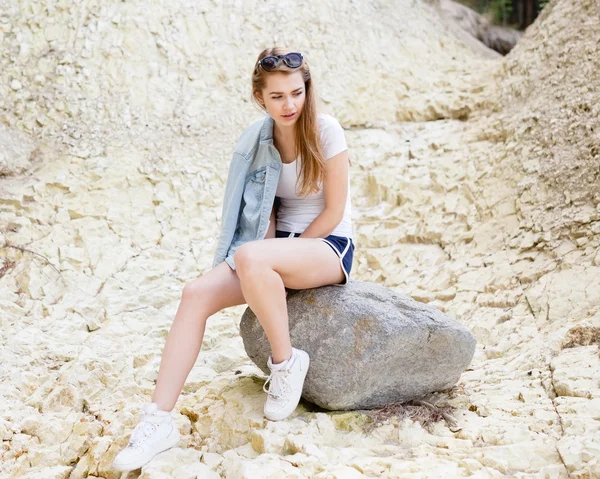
(290, 116)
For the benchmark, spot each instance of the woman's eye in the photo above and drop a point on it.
(278, 97)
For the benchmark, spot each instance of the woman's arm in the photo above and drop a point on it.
(272, 224)
(335, 188)
(232, 200)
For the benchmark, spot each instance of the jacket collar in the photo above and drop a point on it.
(266, 132)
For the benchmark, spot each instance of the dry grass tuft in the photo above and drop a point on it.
(581, 336)
(426, 413)
(6, 266)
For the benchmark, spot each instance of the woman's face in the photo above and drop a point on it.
(283, 96)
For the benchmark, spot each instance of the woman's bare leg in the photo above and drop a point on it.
(266, 266)
(201, 298)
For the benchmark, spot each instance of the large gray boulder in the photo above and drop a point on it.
(369, 346)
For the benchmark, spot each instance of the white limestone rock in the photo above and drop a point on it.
(16, 148)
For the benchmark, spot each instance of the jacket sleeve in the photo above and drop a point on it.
(232, 201)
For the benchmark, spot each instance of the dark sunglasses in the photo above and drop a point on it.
(292, 60)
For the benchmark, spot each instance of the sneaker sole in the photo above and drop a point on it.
(132, 466)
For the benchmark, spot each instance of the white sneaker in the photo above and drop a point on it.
(156, 432)
(287, 380)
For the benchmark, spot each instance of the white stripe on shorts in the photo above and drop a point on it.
(341, 257)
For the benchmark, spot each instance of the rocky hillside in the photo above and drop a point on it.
(119, 119)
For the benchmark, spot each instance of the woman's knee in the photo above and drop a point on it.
(214, 291)
(247, 256)
(199, 293)
(195, 290)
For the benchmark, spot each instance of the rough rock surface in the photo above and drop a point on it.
(368, 345)
(136, 114)
(15, 151)
(497, 38)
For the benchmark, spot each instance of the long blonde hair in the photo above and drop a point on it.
(308, 140)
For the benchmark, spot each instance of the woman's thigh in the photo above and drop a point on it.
(215, 290)
(302, 263)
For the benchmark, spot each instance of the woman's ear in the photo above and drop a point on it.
(259, 98)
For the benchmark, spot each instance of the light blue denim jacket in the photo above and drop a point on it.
(249, 191)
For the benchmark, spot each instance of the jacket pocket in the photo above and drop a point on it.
(254, 191)
(259, 175)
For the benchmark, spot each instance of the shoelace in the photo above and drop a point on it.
(141, 431)
(279, 383)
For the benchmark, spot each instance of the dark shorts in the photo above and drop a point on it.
(343, 247)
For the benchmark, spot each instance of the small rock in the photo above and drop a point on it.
(16, 150)
(16, 85)
(596, 261)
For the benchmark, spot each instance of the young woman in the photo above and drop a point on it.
(286, 223)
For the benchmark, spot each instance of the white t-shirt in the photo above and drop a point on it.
(295, 212)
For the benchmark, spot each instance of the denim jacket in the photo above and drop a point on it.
(249, 191)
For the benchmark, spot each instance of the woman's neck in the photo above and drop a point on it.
(285, 137)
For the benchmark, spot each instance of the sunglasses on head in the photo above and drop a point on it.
(270, 63)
